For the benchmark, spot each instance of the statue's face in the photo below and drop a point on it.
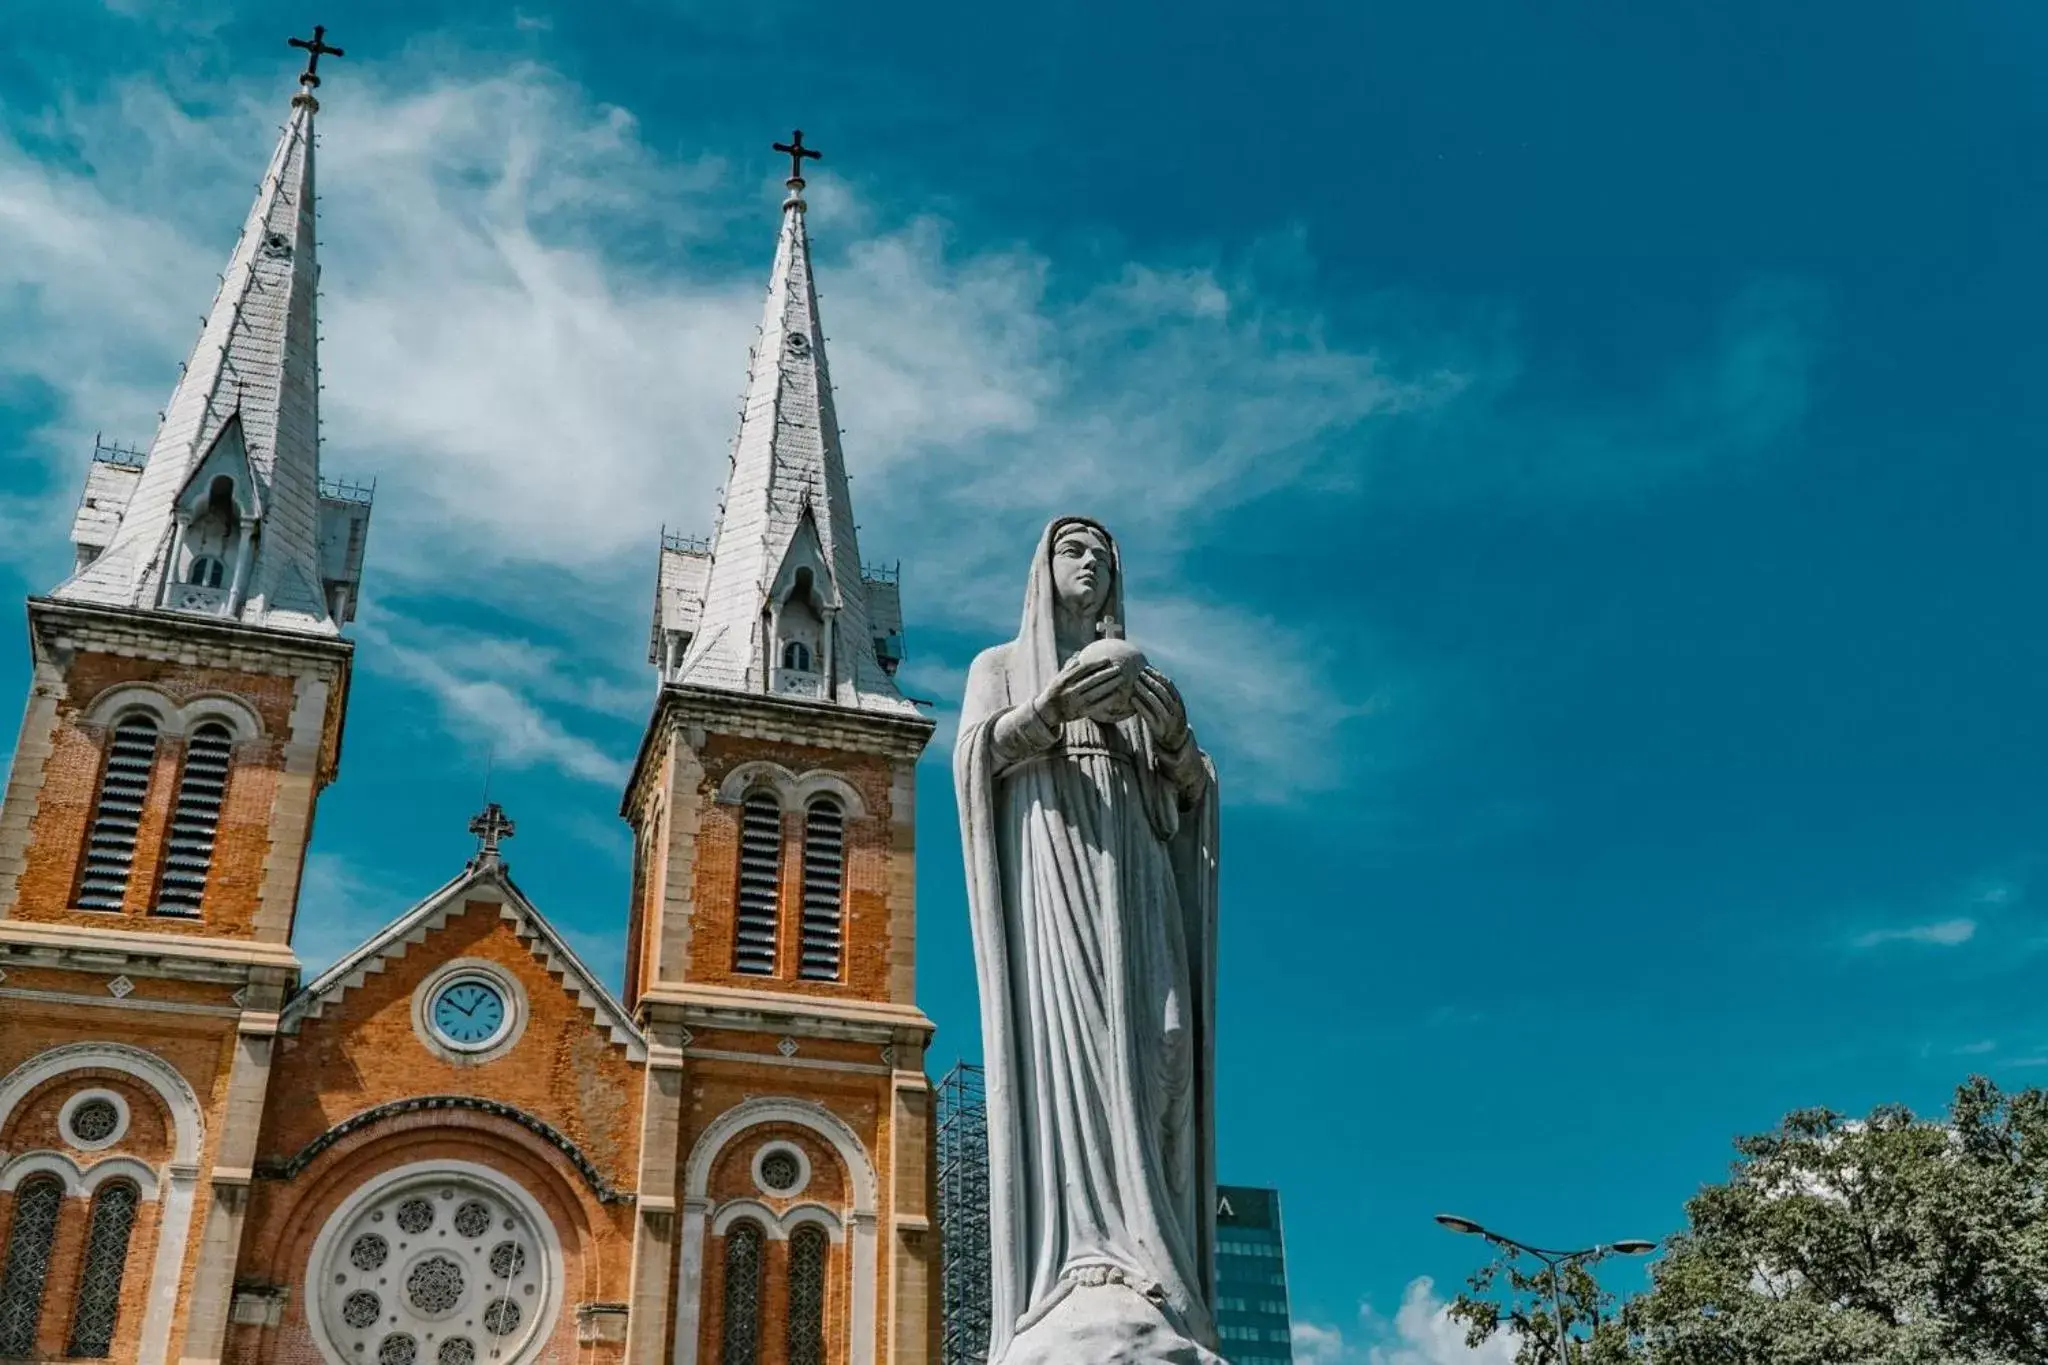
(1081, 570)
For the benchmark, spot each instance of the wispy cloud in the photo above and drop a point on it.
(1948, 933)
(536, 328)
(340, 905)
(1420, 1332)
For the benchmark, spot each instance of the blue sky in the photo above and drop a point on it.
(1582, 463)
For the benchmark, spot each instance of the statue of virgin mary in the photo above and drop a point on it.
(1088, 815)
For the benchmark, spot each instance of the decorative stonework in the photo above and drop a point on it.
(483, 889)
(289, 1168)
(441, 1262)
(93, 1120)
(120, 988)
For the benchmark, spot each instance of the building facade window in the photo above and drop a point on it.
(106, 1261)
(824, 878)
(117, 816)
(740, 1339)
(807, 1248)
(760, 885)
(797, 655)
(36, 1203)
(205, 572)
(202, 790)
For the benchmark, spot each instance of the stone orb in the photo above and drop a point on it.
(1131, 660)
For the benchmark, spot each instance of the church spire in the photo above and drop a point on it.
(224, 517)
(778, 601)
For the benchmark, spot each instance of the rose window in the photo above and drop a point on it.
(95, 1120)
(434, 1286)
(435, 1268)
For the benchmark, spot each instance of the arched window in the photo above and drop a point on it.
(106, 1258)
(797, 655)
(205, 572)
(760, 894)
(110, 847)
(807, 1295)
(189, 854)
(36, 1202)
(824, 874)
(740, 1342)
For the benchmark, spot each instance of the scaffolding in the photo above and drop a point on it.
(963, 1216)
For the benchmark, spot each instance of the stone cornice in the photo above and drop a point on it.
(176, 632)
(800, 1016)
(89, 948)
(781, 720)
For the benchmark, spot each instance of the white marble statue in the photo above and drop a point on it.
(1088, 815)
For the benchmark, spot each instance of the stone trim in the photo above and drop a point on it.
(486, 885)
(290, 1167)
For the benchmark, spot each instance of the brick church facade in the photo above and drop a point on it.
(455, 1146)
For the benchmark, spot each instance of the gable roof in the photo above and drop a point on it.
(486, 880)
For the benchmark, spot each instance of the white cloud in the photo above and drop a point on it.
(1948, 933)
(339, 907)
(1420, 1332)
(536, 328)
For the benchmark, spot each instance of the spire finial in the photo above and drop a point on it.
(795, 150)
(316, 48)
(490, 826)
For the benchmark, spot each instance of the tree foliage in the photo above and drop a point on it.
(1893, 1240)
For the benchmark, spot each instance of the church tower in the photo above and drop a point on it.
(190, 680)
(772, 950)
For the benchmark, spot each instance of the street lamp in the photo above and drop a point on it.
(1555, 1261)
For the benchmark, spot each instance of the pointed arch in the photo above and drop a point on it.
(195, 820)
(25, 1272)
(117, 812)
(96, 1309)
(739, 1338)
(757, 915)
(822, 931)
(805, 1315)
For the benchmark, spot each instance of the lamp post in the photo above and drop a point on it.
(1555, 1261)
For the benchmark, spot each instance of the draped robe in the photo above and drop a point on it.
(1091, 859)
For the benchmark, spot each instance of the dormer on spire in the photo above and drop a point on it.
(226, 516)
(778, 602)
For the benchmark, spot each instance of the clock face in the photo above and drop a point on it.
(468, 1012)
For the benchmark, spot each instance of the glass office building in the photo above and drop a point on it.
(1251, 1277)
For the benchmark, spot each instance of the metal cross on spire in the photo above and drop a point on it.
(490, 826)
(795, 150)
(316, 48)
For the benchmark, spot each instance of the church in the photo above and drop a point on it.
(455, 1146)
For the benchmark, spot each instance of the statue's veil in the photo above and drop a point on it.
(1004, 677)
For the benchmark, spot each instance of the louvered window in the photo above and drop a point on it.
(740, 1341)
(106, 1261)
(188, 856)
(36, 1202)
(824, 874)
(760, 885)
(807, 1295)
(110, 848)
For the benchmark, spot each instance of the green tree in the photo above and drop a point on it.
(1893, 1240)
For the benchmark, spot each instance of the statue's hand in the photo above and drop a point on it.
(1077, 690)
(1158, 701)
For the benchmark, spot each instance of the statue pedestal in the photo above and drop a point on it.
(1105, 1324)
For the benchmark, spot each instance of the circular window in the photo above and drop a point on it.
(435, 1266)
(93, 1119)
(781, 1168)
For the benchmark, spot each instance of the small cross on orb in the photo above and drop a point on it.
(795, 150)
(490, 826)
(316, 48)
